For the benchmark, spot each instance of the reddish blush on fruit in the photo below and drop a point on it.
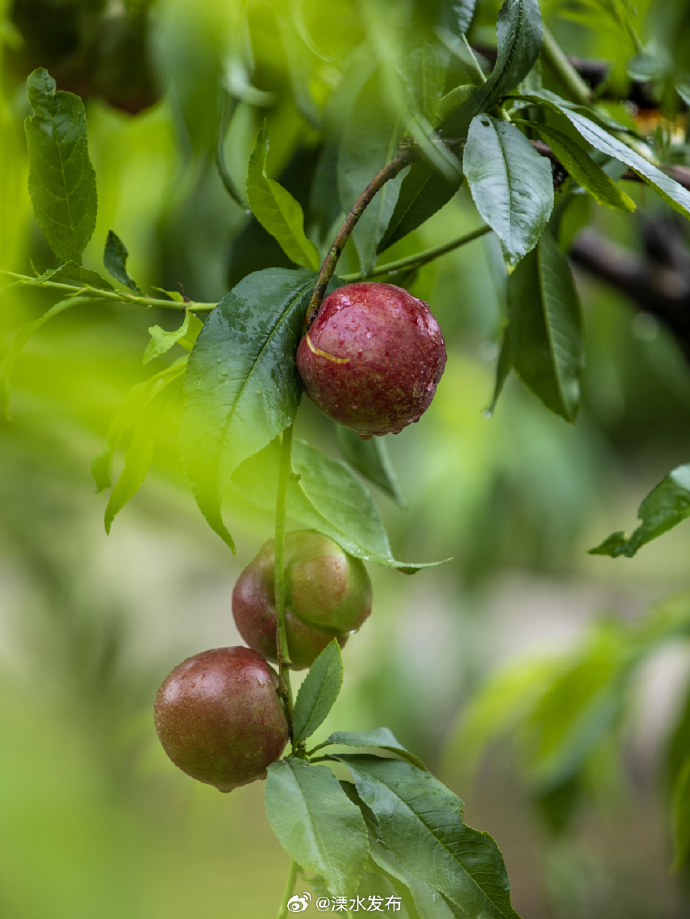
(328, 595)
(219, 717)
(372, 358)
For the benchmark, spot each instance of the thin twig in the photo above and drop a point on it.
(406, 156)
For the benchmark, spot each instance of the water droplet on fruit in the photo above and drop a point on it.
(487, 413)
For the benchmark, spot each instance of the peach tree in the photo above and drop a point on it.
(518, 125)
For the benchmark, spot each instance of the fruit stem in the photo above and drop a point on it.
(421, 258)
(407, 155)
(283, 652)
(289, 887)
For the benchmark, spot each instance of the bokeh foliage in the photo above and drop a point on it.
(89, 627)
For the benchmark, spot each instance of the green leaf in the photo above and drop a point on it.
(673, 193)
(680, 812)
(73, 274)
(171, 294)
(455, 16)
(418, 899)
(276, 210)
(519, 35)
(241, 386)
(584, 170)
(62, 183)
(134, 424)
(370, 458)
(381, 738)
(544, 334)
(318, 692)
(369, 140)
(316, 823)
(578, 710)
(667, 505)
(185, 335)
(227, 109)
(115, 260)
(511, 184)
(421, 823)
(23, 335)
(503, 367)
(324, 495)
(424, 191)
(424, 75)
(454, 99)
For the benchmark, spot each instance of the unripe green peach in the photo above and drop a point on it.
(328, 595)
(220, 719)
(372, 358)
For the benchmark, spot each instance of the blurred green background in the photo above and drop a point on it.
(94, 821)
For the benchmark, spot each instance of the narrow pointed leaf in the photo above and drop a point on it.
(511, 184)
(276, 209)
(419, 899)
(519, 36)
(455, 16)
(317, 824)
(665, 507)
(115, 260)
(62, 183)
(75, 275)
(585, 171)
(325, 495)
(137, 405)
(318, 692)
(369, 140)
(544, 334)
(673, 193)
(381, 738)
(423, 191)
(241, 386)
(421, 823)
(162, 341)
(139, 453)
(424, 74)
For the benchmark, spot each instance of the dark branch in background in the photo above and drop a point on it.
(681, 174)
(658, 281)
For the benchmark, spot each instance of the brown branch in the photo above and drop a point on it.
(658, 284)
(406, 156)
(681, 174)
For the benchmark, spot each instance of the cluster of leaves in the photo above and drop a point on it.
(393, 821)
(240, 386)
(566, 714)
(393, 828)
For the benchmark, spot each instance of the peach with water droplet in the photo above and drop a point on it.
(328, 595)
(372, 358)
(219, 717)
